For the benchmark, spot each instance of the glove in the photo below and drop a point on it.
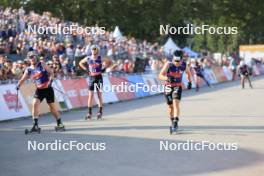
(189, 86)
(17, 87)
(103, 69)
(170, 79)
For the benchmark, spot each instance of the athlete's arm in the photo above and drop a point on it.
(163, 72)
(22, 80)
(50, 72)
(82, 63)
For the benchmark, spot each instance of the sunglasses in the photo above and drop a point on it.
(176, 60)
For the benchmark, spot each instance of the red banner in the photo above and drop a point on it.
(116, 83)
(77, 91)
(219, 73)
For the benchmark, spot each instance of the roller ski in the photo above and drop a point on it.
(99, 116)
(60, 127)
(88, 116)
(34, 129)
(174, 126)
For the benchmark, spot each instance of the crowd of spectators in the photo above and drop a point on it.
(61, 51)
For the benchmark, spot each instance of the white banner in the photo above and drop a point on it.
(60, 94)
(9, 107)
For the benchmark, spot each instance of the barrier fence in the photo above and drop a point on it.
(73, 93)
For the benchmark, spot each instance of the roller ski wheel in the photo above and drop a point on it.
(33, 130)
(173, 130)
(60, 127)
(99, 116)
(88, 116)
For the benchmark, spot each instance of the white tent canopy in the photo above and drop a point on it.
(170, 46)
(117, 34)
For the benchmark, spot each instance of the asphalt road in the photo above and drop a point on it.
(132, 133)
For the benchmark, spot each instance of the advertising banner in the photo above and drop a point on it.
(61, 95)
(142, 89)
(121, 88)
(77, 91)
(219, 73)
(9, 106)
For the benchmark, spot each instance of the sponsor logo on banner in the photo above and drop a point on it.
(10, 106)
(77, 91)
(11, 101)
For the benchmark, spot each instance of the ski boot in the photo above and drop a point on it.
(60, 127)
(99, 116)
(34, 129)
(174, 126)
(88, 116)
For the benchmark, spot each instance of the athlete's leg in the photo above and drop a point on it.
(55, 114)
(234, 74)
(249, 81)
(100, 104)
(207, 82)
(168, 97)
(35, 111)
(171, 111)
(196, 82)
(176, 113)
(243, 81)
(54, 111)
(176, 108)
(90, 103)
(176, 95)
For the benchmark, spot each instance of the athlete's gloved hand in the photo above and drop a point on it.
(88, 72)
(103, 69)
(17, 87)
(189, 86)
(170, 79)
